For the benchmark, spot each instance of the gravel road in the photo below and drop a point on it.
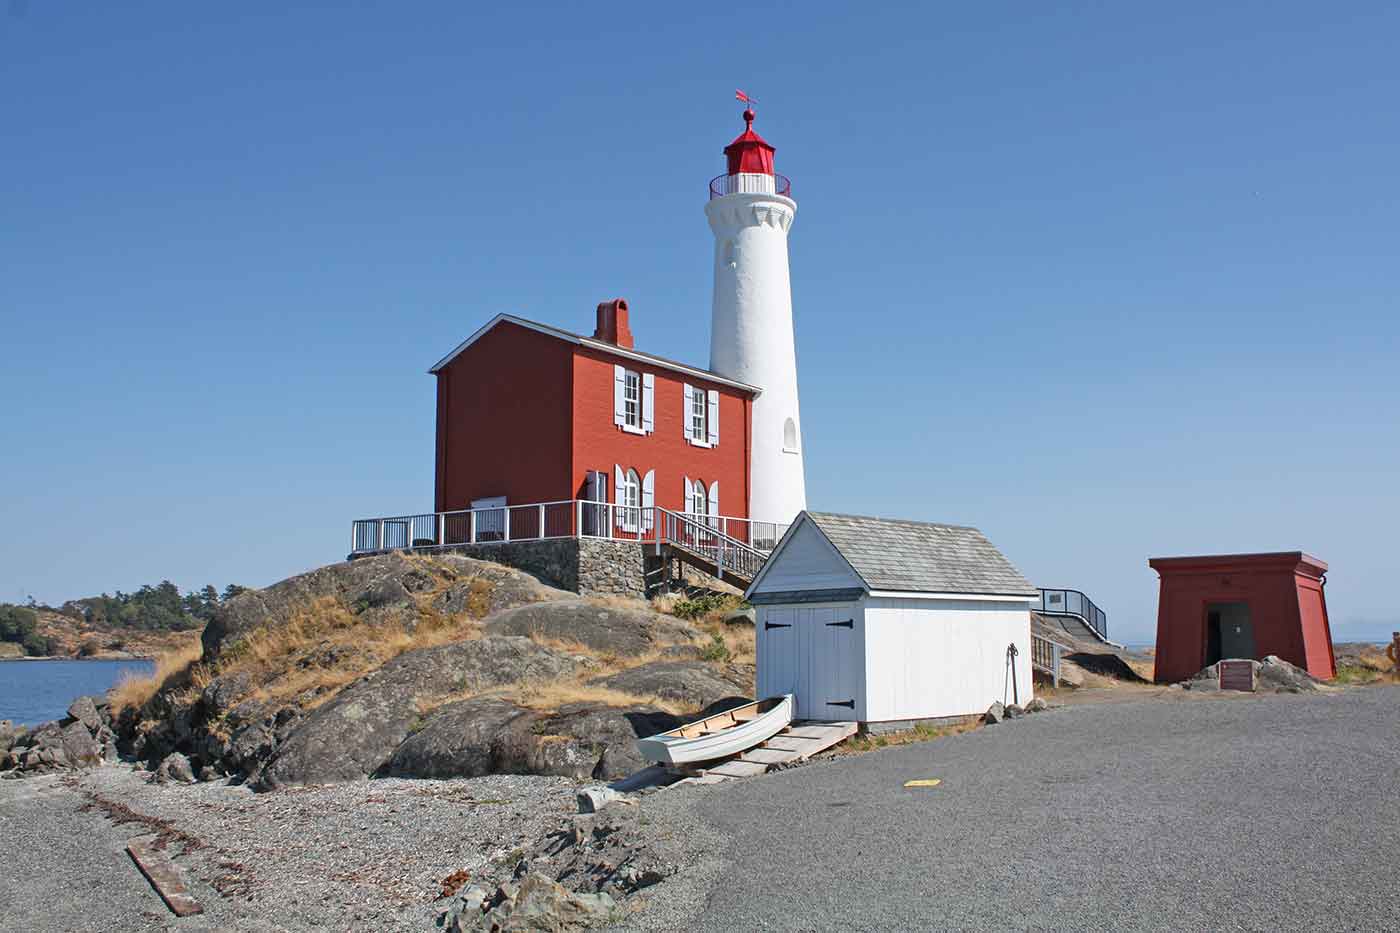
(1236, 813)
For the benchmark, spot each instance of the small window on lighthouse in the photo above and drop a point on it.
(729, 253)
(790, 436)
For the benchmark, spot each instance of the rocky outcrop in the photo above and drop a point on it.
(695, 683)
(537, 680)
(356, 734)
(379, 587)
(83, 739)
(606, 629)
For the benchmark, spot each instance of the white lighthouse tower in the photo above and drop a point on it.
(751, 340)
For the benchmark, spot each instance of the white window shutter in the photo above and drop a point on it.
(648, 402)
(619, 396)
(714, 498)
(648, 498)
(685, 412)
(617, 483)
(713, 417)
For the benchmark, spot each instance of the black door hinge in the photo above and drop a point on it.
(849, 623)
(768, 625)
(849, 704)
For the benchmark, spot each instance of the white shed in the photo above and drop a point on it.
(878, 620)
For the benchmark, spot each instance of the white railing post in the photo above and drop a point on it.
(578, 528)
(441, 528)
(471, 525)
(381, 547)
(506, 510)
(541, 534)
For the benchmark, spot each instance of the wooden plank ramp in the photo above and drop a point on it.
(163, 876)
(798, 741)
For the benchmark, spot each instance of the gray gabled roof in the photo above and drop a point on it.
(893, 554)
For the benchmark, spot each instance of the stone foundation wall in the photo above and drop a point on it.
(610, 568)
(588, 566)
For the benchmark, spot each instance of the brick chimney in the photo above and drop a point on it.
(612, 323)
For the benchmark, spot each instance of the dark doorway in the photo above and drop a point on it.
(1229, 632)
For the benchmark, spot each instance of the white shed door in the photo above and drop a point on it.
(812, 653)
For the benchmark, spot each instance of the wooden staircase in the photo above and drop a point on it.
(707, 549)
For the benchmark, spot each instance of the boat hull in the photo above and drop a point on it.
(673, 748)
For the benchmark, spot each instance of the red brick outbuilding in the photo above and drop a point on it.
(1241, 606)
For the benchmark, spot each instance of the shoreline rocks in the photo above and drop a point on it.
(83, 739)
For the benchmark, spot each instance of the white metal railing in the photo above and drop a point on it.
(701, 536)
(565, 518)
(1046, 655)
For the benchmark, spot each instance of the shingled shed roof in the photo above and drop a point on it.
(892, 554)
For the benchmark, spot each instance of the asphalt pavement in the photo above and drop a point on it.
(1224, 813)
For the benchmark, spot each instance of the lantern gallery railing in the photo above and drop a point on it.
(750, 183)
(1073, 603)
(566, 518)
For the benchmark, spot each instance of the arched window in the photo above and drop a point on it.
(790, 436)
(698, 498)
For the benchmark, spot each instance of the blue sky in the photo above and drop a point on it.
(1108, 283)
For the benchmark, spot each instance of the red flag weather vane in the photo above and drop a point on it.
(740, 95)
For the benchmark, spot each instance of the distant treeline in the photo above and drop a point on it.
(158, 608)
(19, 625)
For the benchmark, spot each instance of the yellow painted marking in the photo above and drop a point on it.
(925, 782)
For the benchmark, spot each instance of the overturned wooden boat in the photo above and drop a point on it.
(720, 735)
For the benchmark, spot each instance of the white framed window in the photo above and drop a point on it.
(700, 417)
(698, 431)
(629, 500)
(698, 497)
(633, 400)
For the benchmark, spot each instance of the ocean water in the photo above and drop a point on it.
(32, 692)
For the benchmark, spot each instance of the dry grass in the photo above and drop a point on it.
(175, 669)
(548, 696)
(922, 732)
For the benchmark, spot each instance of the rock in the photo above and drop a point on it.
(603, 629)
(1014, 712)
(11, 735)
(80, 748)
(587, 740)
(463, 913)
(1278, 675)
(84, 710)
(695, 683)
(174, 767)
(593, 799)
(223, 693)
(741, 617)
(468, 738)
(355, 735)
(209, 773)
(544, 904)
(1037, 705)
(489, 735)
(994, 714)
(378, 588)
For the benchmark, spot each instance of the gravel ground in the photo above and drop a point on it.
(367, 855)
(1240, 813)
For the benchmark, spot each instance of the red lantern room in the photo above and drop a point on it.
(749, 153)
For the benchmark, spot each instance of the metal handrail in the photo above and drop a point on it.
(750, 183)
(702, 538)
(1046, 655)
(1060, 602)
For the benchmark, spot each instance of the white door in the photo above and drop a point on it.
(814, 654)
